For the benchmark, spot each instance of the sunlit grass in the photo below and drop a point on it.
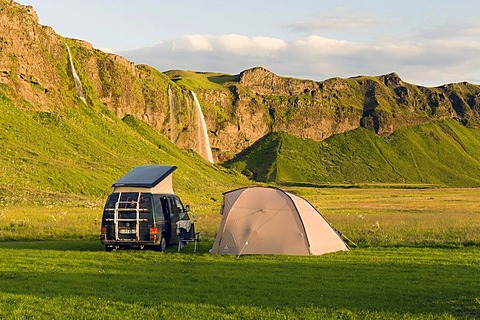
(369, 217)
(386, 216)
(49, 222)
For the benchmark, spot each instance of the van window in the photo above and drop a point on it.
(161, 207)
(145, 202)
(158, 207)
(128, 200)
(181, 211)
(166, 208)
(109, 209)
(112, 200)
(174, 208)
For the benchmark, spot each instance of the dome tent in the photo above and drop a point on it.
(267, 220)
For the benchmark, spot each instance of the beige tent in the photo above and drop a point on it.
(265, 220)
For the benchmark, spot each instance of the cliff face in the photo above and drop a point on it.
(28, 56)
(239, 109)
(35, 68)
(35, 72)
(300, 106)
(383, 103)
(264, 102)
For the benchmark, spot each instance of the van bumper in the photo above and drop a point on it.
(129, 243)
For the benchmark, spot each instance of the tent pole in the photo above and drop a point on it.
(350, 241)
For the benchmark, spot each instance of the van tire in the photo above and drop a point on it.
(163, 244)
(108, 248)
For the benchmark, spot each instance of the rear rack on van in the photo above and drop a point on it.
(123, 207)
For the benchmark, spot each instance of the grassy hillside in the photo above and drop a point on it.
(79, 152)
(442, 153)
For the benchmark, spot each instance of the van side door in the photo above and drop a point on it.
(175, 217)
(167, 218)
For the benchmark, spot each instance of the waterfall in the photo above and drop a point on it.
(76, 78)
(203, 143)
(171, 102)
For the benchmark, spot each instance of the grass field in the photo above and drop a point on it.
(401, 217)
(418, 258)
(76, 279)
(368, 216)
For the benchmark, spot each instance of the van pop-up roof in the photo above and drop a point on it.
(153, 178)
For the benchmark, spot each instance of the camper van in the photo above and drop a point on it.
(143, 211)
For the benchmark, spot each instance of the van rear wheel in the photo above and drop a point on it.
(163, 244)
(108, 248)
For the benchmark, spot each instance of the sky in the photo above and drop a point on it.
(426, 42)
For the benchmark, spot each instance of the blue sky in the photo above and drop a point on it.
(426, 42)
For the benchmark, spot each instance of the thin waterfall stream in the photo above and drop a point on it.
(203, 142)
(171, 102)
(76, 78)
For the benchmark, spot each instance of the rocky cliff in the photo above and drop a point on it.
(35, 72)
(239, 109)
(258, 102)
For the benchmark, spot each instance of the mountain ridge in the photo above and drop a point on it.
(36, 78)
(318, 110)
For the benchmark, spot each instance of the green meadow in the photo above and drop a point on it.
(63, 280)
(417, 257)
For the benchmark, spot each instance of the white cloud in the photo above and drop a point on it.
(423, 62)
(235, 44)
(195, 42)
(332, 23)
(464, 29)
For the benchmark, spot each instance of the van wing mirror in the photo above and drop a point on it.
(187, 208)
